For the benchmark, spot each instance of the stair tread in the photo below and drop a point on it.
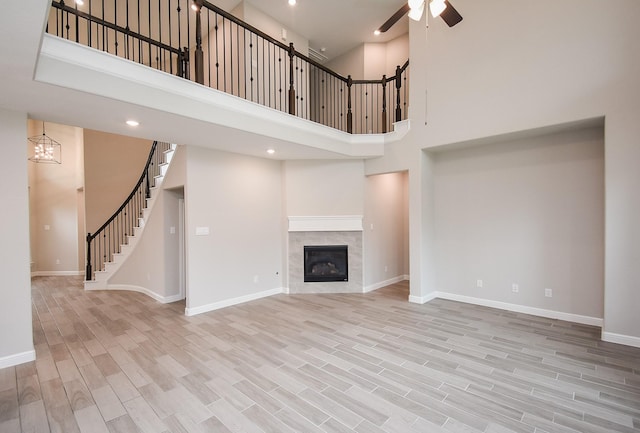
(100, 277)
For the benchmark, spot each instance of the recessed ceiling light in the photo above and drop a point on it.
(292, 2)
(133, 123)
(376, 32)
(79, 2)
(271, 151)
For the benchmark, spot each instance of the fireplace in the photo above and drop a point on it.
(324, 263)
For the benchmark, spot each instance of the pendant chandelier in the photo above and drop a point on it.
(45, 149)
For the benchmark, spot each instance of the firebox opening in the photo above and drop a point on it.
(326, 263)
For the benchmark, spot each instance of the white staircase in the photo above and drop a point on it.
(101, 277)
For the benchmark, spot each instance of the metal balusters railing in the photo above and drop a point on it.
(197, 40)
(108, 239)
(149, 32)
(379, 103)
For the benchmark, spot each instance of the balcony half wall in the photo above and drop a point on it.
(173, 109)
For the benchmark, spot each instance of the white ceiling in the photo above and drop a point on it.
(336, 25)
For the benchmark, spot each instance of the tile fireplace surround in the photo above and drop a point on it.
(325, 230)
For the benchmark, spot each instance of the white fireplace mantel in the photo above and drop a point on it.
(340, 223)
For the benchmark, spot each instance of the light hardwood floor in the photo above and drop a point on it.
(120, 362)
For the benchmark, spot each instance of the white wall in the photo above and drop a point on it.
(55, 205)
(529, 212)
(536, 68)
(622, 234)
(173, 255)
(239, 199)
(385, 229)
(321, 188)
(16, 341)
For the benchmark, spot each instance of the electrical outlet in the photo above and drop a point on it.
(479, 283)
(515, 288)
(386, 269)
(548, 293)
(57, 261)
(255, 279)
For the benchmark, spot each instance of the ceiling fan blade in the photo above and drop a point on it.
(450, 15)
(394, 18)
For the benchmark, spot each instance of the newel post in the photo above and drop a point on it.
(384, 104)
(183, 63)
(292, 90)
(398, 87)
(88, 274)
(199, 57)
(349, 113)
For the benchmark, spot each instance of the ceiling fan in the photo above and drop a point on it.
(415, 8)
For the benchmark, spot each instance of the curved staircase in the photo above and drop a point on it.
(110, 246)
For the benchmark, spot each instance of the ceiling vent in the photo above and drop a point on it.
(317, 55)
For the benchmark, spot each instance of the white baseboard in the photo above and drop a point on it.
(627, 340)
(550, 314)
(423, 299)
(230, 302)
(56, 273)
(17, 359)
(385, 283)
(140, 289)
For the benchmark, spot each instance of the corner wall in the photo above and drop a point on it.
(16, 340)
(386, 237)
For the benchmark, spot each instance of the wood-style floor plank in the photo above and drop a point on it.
(119, 362)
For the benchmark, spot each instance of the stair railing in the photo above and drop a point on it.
(109, 238)
(234, 57)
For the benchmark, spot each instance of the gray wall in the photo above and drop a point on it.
(239, 199)
(529, 212)
(481, 82)
(16, 341)
(321, 188)
(112, 166)
(386, 240)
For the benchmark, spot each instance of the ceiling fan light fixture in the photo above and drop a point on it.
(416, 8)
(436, 7)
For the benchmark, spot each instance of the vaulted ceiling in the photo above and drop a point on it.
(335, 25)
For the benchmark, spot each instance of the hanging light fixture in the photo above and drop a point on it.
(45, 149)
(416, 8)
(436, 7)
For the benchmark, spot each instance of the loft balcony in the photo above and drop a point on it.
(200, 43)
